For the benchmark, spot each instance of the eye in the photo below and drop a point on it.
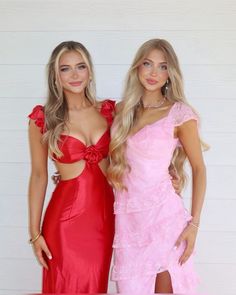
(64, 69)
(82, 67)
(147, 64)
(163, 67)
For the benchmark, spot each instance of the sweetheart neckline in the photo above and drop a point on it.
(87, 146)
(84, 144)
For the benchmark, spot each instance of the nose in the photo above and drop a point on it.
(154, 71)
(74, 73)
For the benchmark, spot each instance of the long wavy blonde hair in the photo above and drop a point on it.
(56, 109)
(126, 116)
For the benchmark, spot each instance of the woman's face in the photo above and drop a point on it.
(153, 72)
(73, 72)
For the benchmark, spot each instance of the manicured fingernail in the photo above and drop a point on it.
(175, 247)
(50, 257)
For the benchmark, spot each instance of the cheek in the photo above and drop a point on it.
(142, 72)
(85, 75)
(164, 77)
(63, 78)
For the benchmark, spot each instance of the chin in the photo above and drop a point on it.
(152, 88)
(76, 91)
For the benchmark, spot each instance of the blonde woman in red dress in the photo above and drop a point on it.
(73, 242)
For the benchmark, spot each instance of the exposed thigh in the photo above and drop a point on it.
(163, 283)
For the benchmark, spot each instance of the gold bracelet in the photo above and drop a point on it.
(32, 240)
(193, 224)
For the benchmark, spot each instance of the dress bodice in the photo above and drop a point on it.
(149, 153)
(72, 148)
(150, 150)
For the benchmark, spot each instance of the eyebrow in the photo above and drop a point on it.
(163, 62)
(80, 63)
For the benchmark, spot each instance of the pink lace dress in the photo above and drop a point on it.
(150, 216)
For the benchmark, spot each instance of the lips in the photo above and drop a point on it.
(75, 84)
(151, 81)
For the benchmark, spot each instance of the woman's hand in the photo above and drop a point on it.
(56, 177)
(188, 235)
(40, 247)
(175, 179)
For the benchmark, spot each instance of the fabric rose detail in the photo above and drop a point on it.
(92, 155)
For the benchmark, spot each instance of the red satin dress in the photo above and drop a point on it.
(78, 225)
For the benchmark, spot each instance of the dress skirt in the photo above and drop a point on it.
(78, 228)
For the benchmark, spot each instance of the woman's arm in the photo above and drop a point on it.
(37, 188)
(189, 138)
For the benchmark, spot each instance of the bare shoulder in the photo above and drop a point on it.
(98, 104)
(119, 106)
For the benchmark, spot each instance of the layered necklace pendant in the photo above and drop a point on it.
(153, 106)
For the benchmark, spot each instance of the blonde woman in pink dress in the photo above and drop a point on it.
(154, 233)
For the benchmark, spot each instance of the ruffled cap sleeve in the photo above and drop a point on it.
(108, 110)
(183, 113)
(37, 115)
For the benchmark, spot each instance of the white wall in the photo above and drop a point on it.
(204, 36)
